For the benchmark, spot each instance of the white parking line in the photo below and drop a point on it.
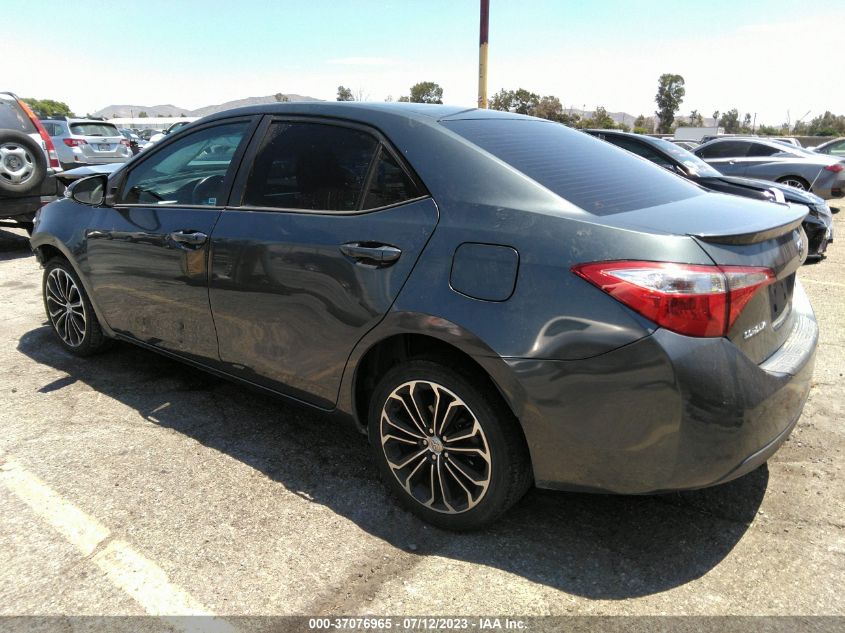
(129, 570)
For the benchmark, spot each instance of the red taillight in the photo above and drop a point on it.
(835, 168)
(74, 142)
(689, 299)
(48, 142)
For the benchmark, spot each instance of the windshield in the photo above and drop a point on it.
(689, 160)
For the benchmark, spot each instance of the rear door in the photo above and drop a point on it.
(329, 225)
(147, 255)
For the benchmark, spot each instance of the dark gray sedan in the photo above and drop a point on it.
(777, 161)
(496, 301)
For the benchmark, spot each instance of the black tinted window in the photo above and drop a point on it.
(191, 170)
(310, 166)
(590, 173)
(726, 149)
(641, 149)
(758, 149)
(390, 183)
(12, 117)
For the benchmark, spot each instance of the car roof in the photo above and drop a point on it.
(368, 111)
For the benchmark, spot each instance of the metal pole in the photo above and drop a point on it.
(482, 54)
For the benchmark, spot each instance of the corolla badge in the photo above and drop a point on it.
(754, 330)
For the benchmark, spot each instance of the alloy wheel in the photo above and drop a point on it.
(435, 447)
(65, 307)
(17, 165)
(795, 183)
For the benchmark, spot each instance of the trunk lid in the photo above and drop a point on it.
(735, 231)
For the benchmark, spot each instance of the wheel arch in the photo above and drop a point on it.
(46, 248)
(402, 336)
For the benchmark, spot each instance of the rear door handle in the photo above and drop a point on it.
(189, 238)
(369, 253)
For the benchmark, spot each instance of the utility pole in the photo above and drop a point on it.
(482, 53)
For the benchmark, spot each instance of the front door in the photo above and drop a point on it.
(329, 229)
(147, 255)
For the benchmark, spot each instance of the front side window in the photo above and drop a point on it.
(190, 171)
(311, 166)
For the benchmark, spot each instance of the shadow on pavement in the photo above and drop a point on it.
(13, 245)
(597, 546)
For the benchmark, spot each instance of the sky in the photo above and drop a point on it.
(779, 59)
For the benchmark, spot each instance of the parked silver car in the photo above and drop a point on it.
(773, 160)
(836, 147)
(87, 142)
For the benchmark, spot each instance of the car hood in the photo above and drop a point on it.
(72, 175)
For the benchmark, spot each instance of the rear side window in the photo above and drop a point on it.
(93, 129)
(727, 149)
(53, 129)
(390, 184)
(760, 150)
(311, 166)
(589, 173)
(12, 117)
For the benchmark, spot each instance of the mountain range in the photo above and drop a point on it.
(170, 110)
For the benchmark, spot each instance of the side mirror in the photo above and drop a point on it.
(90, 190)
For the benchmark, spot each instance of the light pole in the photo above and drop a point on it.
(482, 53)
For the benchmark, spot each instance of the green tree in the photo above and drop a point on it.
(745, 128)
(281, 98)
(520, 101)
(48, 108)
(404, 99)
(730, 121)
(601, 120)
(549, 107)
(426, 92)
(695, 119)
(345, 94)
(827, 124)
(143, 115)
(670, 95)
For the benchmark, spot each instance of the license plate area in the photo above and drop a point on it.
(104, 147)
(780, 296)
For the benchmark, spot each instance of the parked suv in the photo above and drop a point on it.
(82, 142)
(28, 163)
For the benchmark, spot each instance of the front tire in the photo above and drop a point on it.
(447, 445)
(69, 310)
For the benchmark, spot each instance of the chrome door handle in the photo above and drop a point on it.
(369, 253)
(189, 238)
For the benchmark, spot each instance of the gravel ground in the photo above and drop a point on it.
(132, 484)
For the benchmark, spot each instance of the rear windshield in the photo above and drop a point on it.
(93, 129)
(13, 118)
(594, 175)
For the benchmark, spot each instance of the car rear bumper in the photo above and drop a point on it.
(667, 412)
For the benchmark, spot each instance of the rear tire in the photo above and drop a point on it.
(447, 445)
(69, 310)
(795, 181)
